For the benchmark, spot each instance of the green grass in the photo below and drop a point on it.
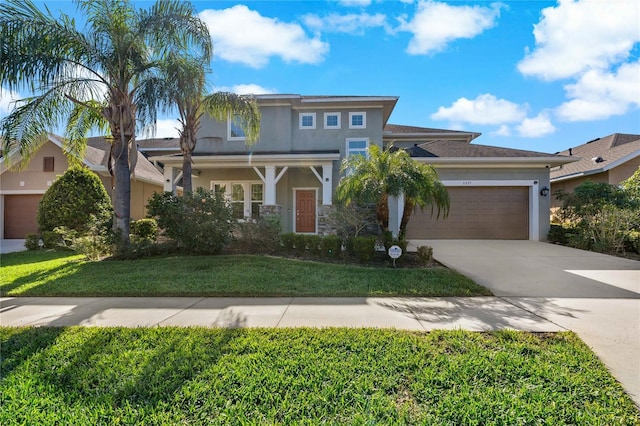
(113, 376)
(63, 274)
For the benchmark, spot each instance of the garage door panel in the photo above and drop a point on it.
(20, 212)
(477, 213)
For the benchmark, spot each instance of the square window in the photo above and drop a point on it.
(48, 164)
(331, 120)
(308, 120)
(357, 120)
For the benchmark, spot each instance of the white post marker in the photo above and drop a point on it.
(394, 253)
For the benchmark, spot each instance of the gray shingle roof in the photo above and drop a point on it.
(98, 153)
(453, 149)
(611, 149)
(397, 128)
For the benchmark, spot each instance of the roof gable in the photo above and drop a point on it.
(599, 155)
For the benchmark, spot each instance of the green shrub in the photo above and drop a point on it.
(145, 228)
(52, 239)
(288, 241)
(76, 200)
(425, 254)
(313, 243)
(331, 246)
(32, 241)
(560, 233)
(261, 235)
(364, 248)
(300, 243)
(632, 241)
(200, 222)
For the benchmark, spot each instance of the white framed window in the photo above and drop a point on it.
(307, 120)
(235, 132)
(332, 120)
(357, 146)
(357, 120)
(245, 197)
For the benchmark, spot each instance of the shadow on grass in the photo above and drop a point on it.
(66, 269)
(20, 344)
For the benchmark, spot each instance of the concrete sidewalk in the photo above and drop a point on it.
(476, 313)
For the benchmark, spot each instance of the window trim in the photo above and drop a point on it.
(233, 138)
(246, 185)
(49, 161)
(337, 114)
(348, 150)
(307, 114)
(364, 120)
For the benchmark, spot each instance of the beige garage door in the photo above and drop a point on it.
(20, 215)
(494, 213)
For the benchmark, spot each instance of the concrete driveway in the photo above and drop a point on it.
(595, 295)
(10, 246)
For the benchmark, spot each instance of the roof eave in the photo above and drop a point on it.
(494, 161)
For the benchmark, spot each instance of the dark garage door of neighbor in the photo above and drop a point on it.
(20, 215)
(488, 213)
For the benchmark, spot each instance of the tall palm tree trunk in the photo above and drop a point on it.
(187, 184)
(122, 123)
(406, 215)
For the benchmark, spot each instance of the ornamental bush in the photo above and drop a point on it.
(76, 200)
(200, 222)
(364, 248)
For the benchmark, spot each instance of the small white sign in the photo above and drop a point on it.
(395, 252)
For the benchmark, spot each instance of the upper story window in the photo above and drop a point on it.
(235, 132)
(358, 146)
(357, 120)
(307, 120)
(331, 120)
(48, 164)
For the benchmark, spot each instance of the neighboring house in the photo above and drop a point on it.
(611, 159)
(294, 168)
(20, 192)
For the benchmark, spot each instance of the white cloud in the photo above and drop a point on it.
(576, 36)
(536, 127)
(503, 130)
(437, 24)
(165, 128)
(599, 94)
(243, 35)
(356, 3)
(7, 97)
(485, 109)
(245, 89)
(351, 23)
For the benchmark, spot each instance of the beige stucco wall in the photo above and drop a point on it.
(140, 194)
(613, 177)
(33, 178)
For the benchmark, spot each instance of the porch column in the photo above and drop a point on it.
(327, 185)
(170, 179)
(270, 185)
(396, 209)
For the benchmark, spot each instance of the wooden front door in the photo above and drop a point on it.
(306, 210)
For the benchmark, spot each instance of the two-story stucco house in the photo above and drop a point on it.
(294, 168)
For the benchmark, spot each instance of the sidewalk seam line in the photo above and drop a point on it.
(285, 311)
(532, 313)
(180, 311)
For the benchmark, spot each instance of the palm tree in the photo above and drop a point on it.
(391, 173)
(184, 88)
(106, 75)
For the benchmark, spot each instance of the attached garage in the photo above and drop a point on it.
(20, 213)
(479, 212)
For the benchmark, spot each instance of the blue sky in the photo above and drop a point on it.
(537, 75)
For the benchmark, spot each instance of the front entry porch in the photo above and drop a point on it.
(298, 186)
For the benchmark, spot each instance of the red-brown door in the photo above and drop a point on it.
(305, 210)
(20, 213)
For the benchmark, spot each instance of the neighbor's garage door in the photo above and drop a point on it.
(500, 213)
(20, 215)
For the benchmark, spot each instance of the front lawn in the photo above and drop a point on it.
(86, 376)
(50, 273)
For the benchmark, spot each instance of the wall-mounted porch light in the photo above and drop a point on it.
(544, 191)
